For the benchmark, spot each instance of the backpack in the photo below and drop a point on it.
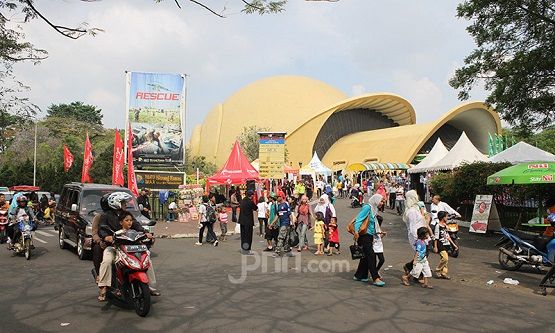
(210, 213)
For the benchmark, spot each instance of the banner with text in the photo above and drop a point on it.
(271, 155)
(159, 180)
(155, 110)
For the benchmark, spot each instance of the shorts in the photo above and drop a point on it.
(421, 267)
(334, 245)
(271, 234)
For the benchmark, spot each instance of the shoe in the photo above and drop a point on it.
(216, 243)
(360, 280)
(198, 243)
(154, 292)
(268, 249)
(379, 284)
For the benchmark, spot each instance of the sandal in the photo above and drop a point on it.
(102, 296)
(427, 286)
(405, 281)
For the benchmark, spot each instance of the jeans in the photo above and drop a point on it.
(303, 240)
(368, 263)
(400, 204)
(283, 240)
(210, 235)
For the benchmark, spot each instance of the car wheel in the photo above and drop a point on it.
(81, 252)
(61, 238)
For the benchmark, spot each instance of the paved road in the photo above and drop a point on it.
(304, 294)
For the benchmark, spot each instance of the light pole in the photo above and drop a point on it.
(35, 157)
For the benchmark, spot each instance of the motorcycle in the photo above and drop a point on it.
(517, 248)
(130, 284)
(3, 226)
(355, 201)
(24, 242)
(453, 230)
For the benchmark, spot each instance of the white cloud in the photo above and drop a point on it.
(424, 95)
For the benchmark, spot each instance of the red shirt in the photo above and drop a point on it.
(334, 234)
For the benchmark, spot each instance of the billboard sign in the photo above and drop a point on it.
(271, 155)
(159, 180)
(155, 110)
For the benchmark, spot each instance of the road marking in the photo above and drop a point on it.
(53, 231)
(40, 240)
(44, 233)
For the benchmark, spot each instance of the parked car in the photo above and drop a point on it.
(76, 209)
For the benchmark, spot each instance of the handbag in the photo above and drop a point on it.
(356, 251)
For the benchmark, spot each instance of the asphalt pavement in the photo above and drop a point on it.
(215, 289)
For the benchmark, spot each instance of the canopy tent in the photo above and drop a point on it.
(236, 169)
(357, 167)
(437, 153)
(317, 166)
(24, 188)
(522, 153)
(462, 152)
(525, 173)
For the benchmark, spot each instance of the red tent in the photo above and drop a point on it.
(24, 188)
(236, 170)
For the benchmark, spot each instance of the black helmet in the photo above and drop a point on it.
(104, 202)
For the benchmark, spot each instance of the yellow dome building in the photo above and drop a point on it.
(319, 118)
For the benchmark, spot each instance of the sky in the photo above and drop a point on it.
(406, 47)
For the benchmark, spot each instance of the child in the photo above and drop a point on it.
(420, 260)
(442, 244)
(333, 238)
(378, 245)
(222, 217)
(319, 233)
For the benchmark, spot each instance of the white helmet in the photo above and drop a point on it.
(115, 199)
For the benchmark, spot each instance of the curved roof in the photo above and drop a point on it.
(401, 144)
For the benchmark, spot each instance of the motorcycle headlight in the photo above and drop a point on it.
(27, 228)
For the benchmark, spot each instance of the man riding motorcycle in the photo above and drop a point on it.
(109, 223)
(438, 206)
(22, 209)
(98, 245)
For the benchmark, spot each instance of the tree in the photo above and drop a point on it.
(544, 140)
(250, 141)
(77, 111)
(514, 58)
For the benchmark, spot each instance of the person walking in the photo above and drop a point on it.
(246, 220)
(328, 210)
(283, 217)
(234, 198)
(414, 219)
(304, 216)
(263, 214)
(363, 229)
(400, 199)
(208, 217)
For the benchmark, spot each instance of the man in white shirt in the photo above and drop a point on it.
(438, 206)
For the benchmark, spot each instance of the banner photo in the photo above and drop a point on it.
(480, 214)
(271, 155)
(160, 180)
(155, 110)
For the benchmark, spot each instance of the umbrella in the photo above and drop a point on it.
(525, 173)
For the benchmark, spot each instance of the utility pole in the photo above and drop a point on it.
(35, 157)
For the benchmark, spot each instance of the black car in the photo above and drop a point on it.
(76, 209)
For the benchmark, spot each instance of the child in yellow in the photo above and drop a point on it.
(319, 227)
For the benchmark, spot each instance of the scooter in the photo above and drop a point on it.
(130, 284)
(517, 249)
(453, 230)
(24, 242)
(3, 226)
(355, 202)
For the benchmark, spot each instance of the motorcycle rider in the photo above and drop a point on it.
(109, 223)
(99, 245)
(438, 206)
(20, 210)
(4, 205)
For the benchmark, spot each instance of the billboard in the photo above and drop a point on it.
(159, 180)
(271, 155)
(155, 111)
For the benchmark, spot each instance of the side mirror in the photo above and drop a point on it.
(74, 207)
(152, 223)
(141, 207)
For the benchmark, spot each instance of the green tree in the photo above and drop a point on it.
(250, 141)
(514, 58)
(76, 110)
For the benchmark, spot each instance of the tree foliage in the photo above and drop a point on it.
(77, 111)
(514, 58)
(544, 140)
(250, 141)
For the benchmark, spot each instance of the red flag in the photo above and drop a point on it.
(117, 169)
(87, 162)
(131, 180)
(68, 159)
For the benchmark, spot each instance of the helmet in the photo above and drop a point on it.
(115, 199)
(22, 199)
(104, 202)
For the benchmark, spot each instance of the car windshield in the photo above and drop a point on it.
(91, 200)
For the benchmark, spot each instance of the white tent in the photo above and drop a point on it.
(437, 153)
(462, 152)
(522, 153)
(315, 167)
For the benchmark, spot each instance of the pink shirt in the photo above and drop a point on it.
(223, 217)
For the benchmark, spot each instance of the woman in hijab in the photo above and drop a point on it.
(328, 210)
(413, 219)
(365, 240)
